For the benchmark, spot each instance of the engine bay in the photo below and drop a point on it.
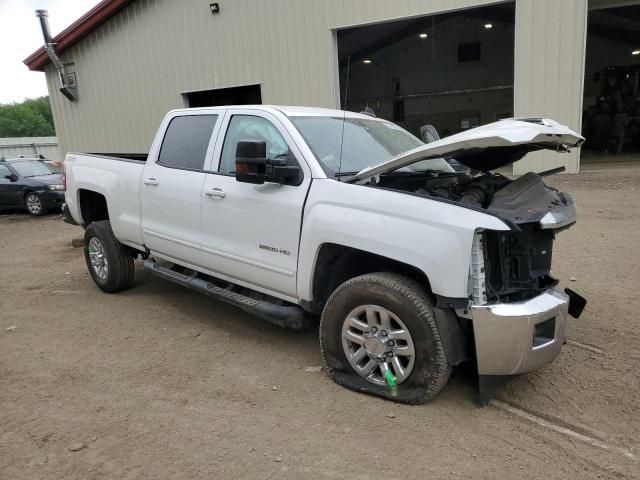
(523, 200)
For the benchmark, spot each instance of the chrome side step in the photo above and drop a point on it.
(286, 316)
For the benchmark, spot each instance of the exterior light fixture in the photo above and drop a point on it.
(423, 35)
(635, 52)
(215, 7)
(488, 26)
(366, 61)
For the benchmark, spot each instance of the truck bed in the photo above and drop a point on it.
(115, 176)
(123, 157)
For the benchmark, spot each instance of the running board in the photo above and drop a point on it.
(286, 316)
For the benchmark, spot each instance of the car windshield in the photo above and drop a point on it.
(363, 143)
(33, 168)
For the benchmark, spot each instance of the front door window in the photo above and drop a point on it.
(247, 127)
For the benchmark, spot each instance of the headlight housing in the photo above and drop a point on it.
(56, 188)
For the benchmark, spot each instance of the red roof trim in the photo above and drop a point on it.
(77, 31)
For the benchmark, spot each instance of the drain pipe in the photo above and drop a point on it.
(68, 89)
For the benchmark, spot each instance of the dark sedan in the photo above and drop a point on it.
(32, 184)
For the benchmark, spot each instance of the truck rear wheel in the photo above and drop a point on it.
(378, 335)
(109, 262)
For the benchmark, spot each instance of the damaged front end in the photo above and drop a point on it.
(516, 313)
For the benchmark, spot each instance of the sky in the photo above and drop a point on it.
(20, 36)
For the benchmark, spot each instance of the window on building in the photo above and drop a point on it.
(244, 95)
(246, 127)
(186, 141)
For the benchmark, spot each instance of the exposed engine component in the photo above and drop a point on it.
(526, 199)
(523, 200)
(480, 191)
(474, 191)
(477, 279)
(520, 263)
(507, 266)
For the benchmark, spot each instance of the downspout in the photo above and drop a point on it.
(68, 89)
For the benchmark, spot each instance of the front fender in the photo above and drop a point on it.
(434, 237)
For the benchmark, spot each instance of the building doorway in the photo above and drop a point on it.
(451, 71)
(611, 107)
(245, 95)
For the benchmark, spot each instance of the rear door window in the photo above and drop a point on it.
(186, 141)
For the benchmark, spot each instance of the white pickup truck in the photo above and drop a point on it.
(299, 213)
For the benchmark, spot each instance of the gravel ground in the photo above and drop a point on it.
(160, 382)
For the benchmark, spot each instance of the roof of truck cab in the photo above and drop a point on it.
(289, 111)
(293, 111)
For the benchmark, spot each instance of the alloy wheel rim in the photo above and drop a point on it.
(98, 258)
(33, 204)
(378, 345)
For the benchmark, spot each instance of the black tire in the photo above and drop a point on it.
(410, 302)
(34, 209)
(119, 258)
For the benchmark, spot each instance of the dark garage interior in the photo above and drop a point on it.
(611, 109)
(434, 75)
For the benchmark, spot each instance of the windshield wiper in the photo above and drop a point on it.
(344, 174)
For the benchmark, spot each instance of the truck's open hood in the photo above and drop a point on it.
(488, 147)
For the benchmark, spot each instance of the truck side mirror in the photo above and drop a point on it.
(251, 161)
(253, 166)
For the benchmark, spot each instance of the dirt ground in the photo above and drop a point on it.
(160, 382)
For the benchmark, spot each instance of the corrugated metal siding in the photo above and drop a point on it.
(134, 68)
(549, 70)
(47, 146)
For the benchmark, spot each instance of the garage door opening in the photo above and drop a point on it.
(611, 107)
(441, 73)
(245, 95)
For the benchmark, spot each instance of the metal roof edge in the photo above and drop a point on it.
(75, 32)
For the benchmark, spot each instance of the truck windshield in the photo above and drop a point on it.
(33, 168)
(363, 143)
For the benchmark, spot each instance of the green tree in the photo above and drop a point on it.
(31, 118)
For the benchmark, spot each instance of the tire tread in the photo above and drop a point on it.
(121, 266)
(419, 297)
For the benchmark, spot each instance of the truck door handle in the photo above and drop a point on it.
(215, 192)
(151, 181)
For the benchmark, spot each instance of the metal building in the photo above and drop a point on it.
(30, 146)
(451, 64)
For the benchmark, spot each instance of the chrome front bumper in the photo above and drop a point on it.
(513, 338)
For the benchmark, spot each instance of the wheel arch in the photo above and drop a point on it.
(337, 263)
(26, 192)
(93, 206)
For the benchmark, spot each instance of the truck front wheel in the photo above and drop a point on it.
(378, 335)
(109, 262)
